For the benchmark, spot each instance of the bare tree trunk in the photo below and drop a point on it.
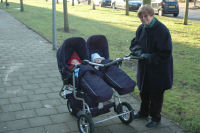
(66, 23)
(89, 2)
(127, 8)
(57, 2)
(93, 5)
(72, 2)
(148, 2)
(195, 3)
(186, 12)
(21, 6)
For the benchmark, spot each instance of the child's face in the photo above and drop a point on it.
(75, 62)
(97, 60)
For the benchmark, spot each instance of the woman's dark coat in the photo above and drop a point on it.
(157, 73)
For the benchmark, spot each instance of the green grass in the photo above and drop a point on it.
(182, 102)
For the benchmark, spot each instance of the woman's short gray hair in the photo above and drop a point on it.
(145, 9)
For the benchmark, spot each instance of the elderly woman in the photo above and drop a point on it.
(155, 69)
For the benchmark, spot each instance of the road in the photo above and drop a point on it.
(193, 13)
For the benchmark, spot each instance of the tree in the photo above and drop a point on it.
(21, 6)
(186, 12)
(148, 2)
(93, 5)
(127, 8)
(72, 2)
(195, 3)
(57, 2)
(89, 2)
(66, 23)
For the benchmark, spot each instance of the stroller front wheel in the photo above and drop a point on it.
(85, 123)
(125, 108)
(71, 111)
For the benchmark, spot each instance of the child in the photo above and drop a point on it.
(96, 58)
(72, 62)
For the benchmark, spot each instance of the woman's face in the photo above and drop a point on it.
(146, 18)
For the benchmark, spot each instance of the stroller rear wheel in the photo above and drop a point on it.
(85, 123)
(126, 108)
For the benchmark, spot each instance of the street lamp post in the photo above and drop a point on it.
(54, 24)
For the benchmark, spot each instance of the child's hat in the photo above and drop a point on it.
(95, 56)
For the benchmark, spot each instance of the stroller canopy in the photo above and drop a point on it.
(66, 50)
(98, 44)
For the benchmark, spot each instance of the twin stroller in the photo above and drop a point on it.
(90, 94)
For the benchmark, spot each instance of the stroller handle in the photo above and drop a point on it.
(92, 63)
(116, 61)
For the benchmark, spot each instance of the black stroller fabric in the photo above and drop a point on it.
(65, 51)
(98, 44)
(119, 80)
(94, 85)
(113, 75)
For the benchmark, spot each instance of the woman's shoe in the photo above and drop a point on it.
(152, 124)
(139, 116)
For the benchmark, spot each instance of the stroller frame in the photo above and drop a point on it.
(85, 122)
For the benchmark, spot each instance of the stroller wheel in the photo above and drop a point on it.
(71, 111)
(123, 108)
(85, 123)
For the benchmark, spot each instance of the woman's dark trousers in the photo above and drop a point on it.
(151, 104)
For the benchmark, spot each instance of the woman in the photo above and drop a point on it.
(155, 69)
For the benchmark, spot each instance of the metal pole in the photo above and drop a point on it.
(54, 24)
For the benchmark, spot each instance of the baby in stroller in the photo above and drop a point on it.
(87, 90)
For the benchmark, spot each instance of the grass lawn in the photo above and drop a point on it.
(182, 102)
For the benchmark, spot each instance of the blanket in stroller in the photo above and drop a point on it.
(93, 84)
(118, 79)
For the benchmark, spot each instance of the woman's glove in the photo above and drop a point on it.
(137, 50)
(146, 56)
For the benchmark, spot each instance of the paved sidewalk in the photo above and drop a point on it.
(29, 86)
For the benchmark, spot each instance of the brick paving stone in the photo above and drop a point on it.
(102, 130)
(3, 127)
(46, 111)
(25, 92)
(42, 90)
(58, 128)
(7, 116)
(17, 124)
(19, 99)
(4, 101)
(62, 108)
(122, 128)
(139, 125)
(73, 125)
(32, 105)
(158, 130)
(11, 107)
(39, 121)
(64, 117)
(25, 114)
(52, 102)
(31, 130)
(37, 97)
(53, 95)
(31, 86)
